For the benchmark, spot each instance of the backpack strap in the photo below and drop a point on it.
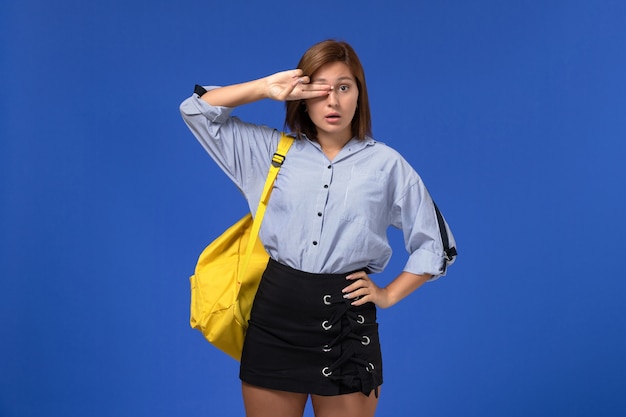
(450, 252)
(277, 161)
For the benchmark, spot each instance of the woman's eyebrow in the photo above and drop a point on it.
(340, 79)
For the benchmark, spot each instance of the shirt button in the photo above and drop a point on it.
(325, 185)
(319, 213)
(329, 166)
(315, 243)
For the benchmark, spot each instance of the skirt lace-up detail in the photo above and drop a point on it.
(351, 339)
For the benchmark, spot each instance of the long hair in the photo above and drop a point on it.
(328, 51)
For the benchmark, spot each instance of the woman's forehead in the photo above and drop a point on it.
(333, 72)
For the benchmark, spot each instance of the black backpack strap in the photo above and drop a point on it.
(450, 252)
(199, 90)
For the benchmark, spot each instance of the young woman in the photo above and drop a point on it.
(313, 329)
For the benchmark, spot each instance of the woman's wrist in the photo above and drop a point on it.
(237, 94)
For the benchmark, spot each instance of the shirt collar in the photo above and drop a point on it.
(353, 146)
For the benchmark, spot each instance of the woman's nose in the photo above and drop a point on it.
(332, 97)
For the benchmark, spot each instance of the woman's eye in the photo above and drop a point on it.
(344, 88)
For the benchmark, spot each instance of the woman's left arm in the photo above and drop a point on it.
(363, 290)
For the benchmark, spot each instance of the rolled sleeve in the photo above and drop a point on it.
(423, 262)
(195, 106)
(422, 236)
(241, 150)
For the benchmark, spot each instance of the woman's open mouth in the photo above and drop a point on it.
(332, 118)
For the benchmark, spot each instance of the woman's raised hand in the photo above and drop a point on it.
(282, 86)
(293, 85)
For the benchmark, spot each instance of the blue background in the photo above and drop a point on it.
(513, 112)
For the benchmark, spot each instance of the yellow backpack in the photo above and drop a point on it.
(226, 278)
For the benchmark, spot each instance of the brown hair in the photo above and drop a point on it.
(328, 51)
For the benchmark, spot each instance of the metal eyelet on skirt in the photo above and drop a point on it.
(326, 299)
(366, 341)
(327, 372)
(327, 348)
(370, 367)
(326, 325)
(360, 319)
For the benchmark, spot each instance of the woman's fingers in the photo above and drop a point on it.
(358, 281)
(361, 290)
(304, 90)
(293, 85)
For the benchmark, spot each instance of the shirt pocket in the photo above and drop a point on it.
(366, 197)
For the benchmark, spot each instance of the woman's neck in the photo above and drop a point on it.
(331, 146)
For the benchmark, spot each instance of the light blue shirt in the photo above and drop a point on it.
(325, 216)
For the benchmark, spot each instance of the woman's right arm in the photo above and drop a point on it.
(239, 148)
(282, 86)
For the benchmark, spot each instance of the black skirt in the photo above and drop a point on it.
(304, 337)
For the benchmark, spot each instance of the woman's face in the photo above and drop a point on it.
(333, 114)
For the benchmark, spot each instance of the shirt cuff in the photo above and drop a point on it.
(215, 114)
(424, 262)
